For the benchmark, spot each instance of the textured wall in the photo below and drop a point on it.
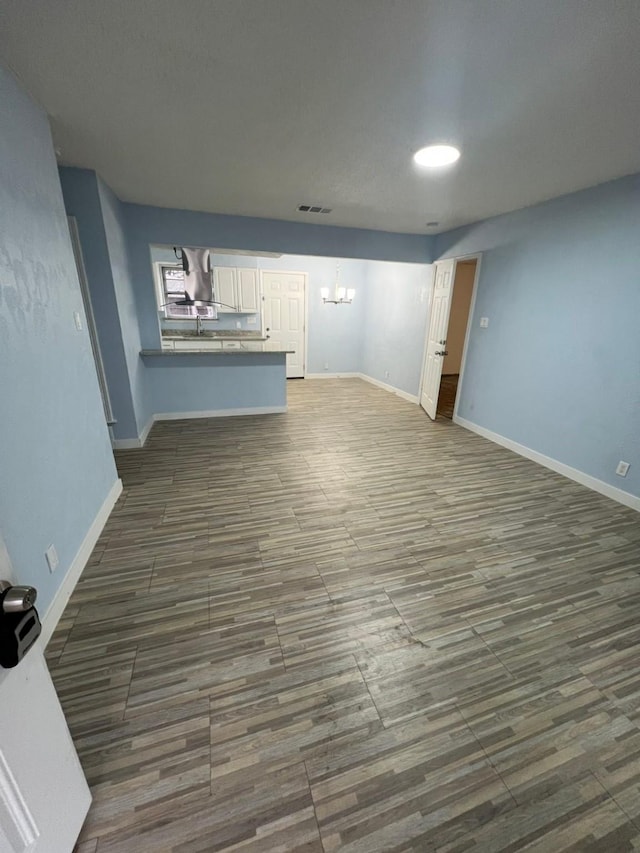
(558, 368)
(55, 457)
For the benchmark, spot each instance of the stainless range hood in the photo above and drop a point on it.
(197, 276)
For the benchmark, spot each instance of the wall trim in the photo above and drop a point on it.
(593, 483)
(57, 606)
(333, 376)
(146, 430)
(126, 443)
(220, 413)
(134, 443)
(412, 398)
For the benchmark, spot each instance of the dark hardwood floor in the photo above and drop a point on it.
(447, 395)
(350, 628)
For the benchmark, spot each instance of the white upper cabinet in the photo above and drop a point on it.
(248, 295)
(225, 289)
(238, 289)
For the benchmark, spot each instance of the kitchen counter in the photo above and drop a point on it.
(208, 351)
(191, 382)
(222, 335)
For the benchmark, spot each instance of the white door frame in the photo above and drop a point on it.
(305, 309)
(477, 256)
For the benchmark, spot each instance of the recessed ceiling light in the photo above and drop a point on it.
(436, 155)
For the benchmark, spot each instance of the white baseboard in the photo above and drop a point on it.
(412, 398)
(57, 606)
(332, 376)
(137, 443)
(220, 413)
(587, 480)
(146, 430)
(126, 443)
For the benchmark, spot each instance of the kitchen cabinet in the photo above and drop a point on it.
(238, 288)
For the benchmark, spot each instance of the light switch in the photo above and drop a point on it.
(52, 558)
(484, 322)
(77, 319)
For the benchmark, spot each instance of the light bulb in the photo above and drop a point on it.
(434, 156)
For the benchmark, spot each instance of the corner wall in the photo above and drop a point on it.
(55, 457)
(117, 247)
(82, 198)
(397, 305)
(558, 368)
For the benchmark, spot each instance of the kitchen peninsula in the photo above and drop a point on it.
(203, 382)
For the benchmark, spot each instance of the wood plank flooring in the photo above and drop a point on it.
(447, 395)
(349, 628)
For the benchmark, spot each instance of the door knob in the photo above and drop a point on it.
(17, 599)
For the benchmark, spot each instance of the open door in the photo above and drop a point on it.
(437, 336)
(44, 796)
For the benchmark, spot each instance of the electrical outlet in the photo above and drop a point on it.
(77, 319)
(238, 324)
(252, 320)
(326, 365)
(622, 468)
(386, 374)
(52, 558)
(484, 322)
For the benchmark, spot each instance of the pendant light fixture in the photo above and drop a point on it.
(341, 295)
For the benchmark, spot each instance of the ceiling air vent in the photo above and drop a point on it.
(313, 208)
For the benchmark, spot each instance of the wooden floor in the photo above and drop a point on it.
(447, 395)
(350, 628)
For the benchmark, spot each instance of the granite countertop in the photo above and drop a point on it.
(171, 353)
(221, 334)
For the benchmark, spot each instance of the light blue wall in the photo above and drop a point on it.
(114, 226)
(55, 456)
(83, 201)
(335, 331)
(397, 306)
(558, 369)
(147, 226)
(198, 383)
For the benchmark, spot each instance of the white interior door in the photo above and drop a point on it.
(284, 294)
(437, 336)
(44, 796)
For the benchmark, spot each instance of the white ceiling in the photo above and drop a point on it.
(255, 106)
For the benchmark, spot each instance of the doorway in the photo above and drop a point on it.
(284, 295)
(454, 288)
